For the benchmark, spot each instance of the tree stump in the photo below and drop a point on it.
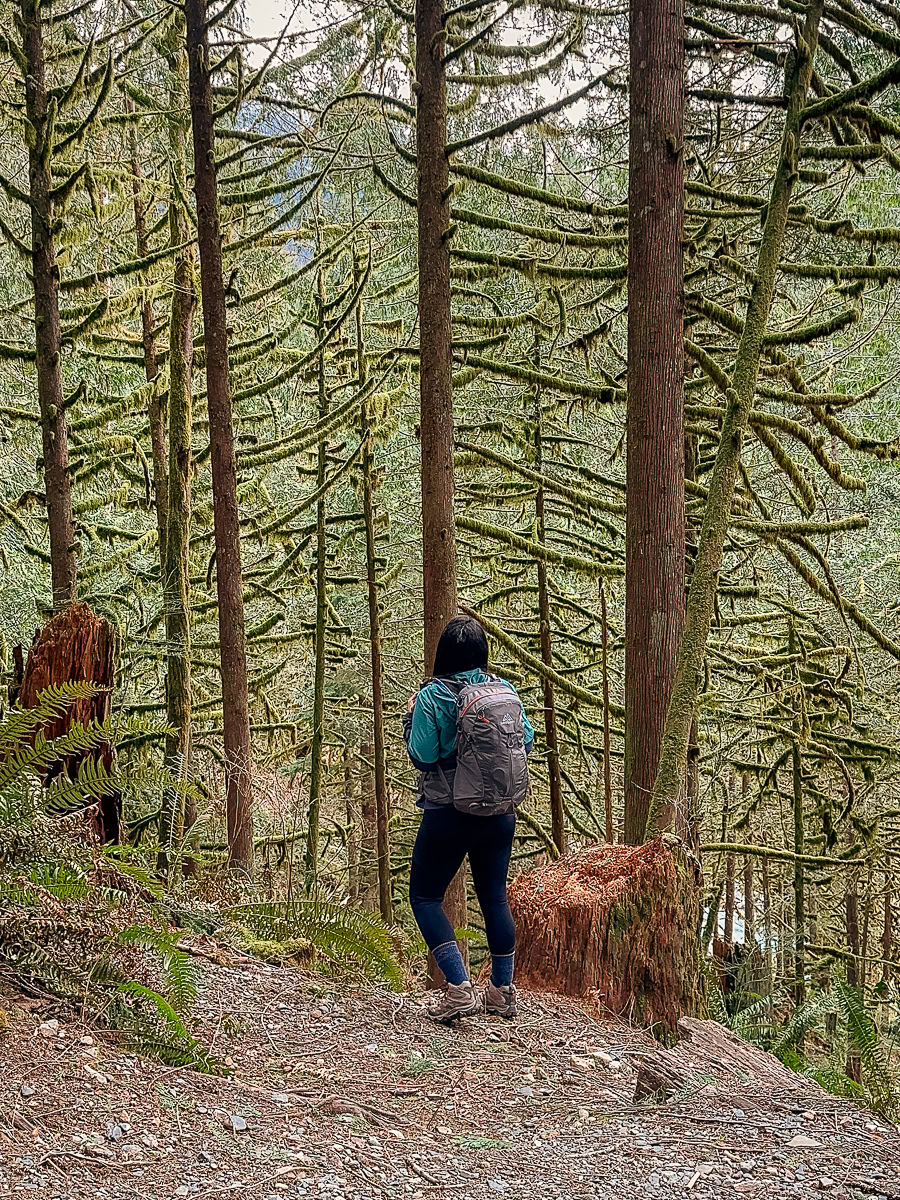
(615, 925)
(76, 645)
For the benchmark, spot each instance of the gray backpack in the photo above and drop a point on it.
(491, 765)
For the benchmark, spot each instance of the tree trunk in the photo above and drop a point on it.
(316, 773)
(851, 909)
(748, 881)
(887, 933)
(435, 359)
(382, 800)
(353, 824)
(232, 640)
(48, 336)
(607, 755)
(179, 810)
(738, 402)
(557, 812)
(728, 926)
(654, 523)
(799, 878)
(156, 413)
(767, 921)
(368, 875)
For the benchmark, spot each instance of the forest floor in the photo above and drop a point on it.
(351, 1094)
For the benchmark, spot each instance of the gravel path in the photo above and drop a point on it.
(353, 1095)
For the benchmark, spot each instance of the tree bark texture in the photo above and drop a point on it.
(368, 858)
(320, 650)
(156, 413)
(382, 799)
(232, 638)
(435, 360)
(799, 876)
(654, 523)
(557, 812)
(607, 753)
(76, 645)
(615, 925)
(41, 114)
(738, 402)
(178, 807)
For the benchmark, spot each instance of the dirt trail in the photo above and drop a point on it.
(353, 1095)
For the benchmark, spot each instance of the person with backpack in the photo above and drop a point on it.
(467, 733)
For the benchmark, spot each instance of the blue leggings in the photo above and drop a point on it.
(444, 839)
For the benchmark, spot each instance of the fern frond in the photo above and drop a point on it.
(347, 936)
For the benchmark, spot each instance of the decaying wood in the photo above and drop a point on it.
(708, 1054)
(612, 925)
(76, 645)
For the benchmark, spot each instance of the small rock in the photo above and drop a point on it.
(26, 1090)
(809, 1116)
(49, 1029)
(115, 1133)
(444, 1130)
(583, 1114)
(802, 1142)
(184, 1190)
(132, 1152)
(87, 1040)
(97, 1076)
(497, 1185)
(235, 1123)
(826, 1183)
(583, 1064)
(526, 1093)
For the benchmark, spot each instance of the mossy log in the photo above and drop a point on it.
(616, 926)
(76, 645)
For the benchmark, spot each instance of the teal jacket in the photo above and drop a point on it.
(431, 734)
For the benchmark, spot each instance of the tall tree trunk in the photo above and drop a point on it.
(316, 773)
(156, 413)
(48, 338)
(851, 910)
(728, 926)
(382, 800)
(557, 812)
(738, 403)
(767, 922)
(435, 358)
(687, 823)
(232, 638)
(353, 824)
(179, 809)
(368, 874)
(654, 523)
(799, 877)
(607, 755)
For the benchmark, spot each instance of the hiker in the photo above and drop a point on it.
(467, 733)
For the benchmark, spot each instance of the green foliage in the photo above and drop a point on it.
(856, 1035)
(346, 938)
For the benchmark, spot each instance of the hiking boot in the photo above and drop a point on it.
(501, 1001)
(456, 1000)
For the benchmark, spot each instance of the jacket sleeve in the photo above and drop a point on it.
(420, 733)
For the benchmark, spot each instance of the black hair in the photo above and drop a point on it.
(463, 645)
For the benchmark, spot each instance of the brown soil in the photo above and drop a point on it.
(351, 1094)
